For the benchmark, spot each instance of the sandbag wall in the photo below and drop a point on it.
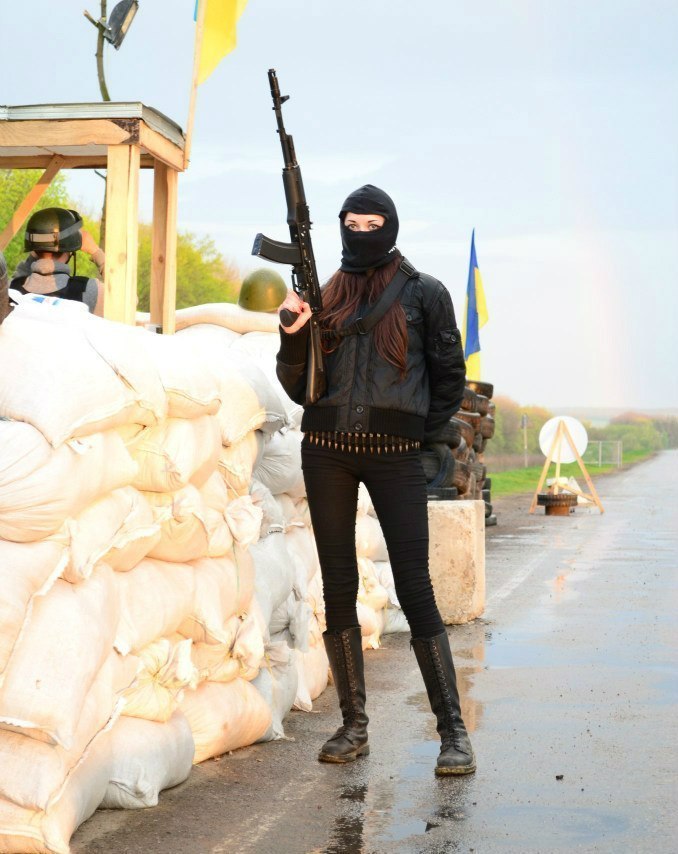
(162, 600)
(454, 461)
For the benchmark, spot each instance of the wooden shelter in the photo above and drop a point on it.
(121, 138)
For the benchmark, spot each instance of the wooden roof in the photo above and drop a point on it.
(31, 135)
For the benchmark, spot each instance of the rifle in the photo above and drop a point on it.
(299, 252)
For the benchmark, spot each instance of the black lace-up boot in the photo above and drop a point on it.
(435, 662)
(345, 652)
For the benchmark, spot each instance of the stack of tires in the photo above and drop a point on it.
(454, 462)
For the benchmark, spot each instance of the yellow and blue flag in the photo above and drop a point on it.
(219, 34)
(475, 315)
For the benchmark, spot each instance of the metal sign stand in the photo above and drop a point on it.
(563, 434)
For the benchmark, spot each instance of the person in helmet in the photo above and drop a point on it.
(52, 237)
(262, 290)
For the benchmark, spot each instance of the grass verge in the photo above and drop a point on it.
(516, 481)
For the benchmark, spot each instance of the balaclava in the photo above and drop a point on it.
(365, 249)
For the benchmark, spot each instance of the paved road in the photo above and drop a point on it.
(572, 672)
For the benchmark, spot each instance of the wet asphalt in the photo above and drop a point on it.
(569, 690)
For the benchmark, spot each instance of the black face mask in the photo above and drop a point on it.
(363, 250)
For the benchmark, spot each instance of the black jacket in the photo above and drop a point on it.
(365, 393)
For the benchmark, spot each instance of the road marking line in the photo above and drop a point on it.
(508, 588)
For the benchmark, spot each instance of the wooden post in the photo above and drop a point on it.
(32, 198)
(164, 251)
(199, 31)
(594, 494)
(559, 434)
(122, 238)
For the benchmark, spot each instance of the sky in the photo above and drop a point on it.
(549, 126)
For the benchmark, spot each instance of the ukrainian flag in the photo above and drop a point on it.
(475, 315)
(219, 34)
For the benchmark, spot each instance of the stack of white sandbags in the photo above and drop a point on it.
(127, 583)
(295, 667)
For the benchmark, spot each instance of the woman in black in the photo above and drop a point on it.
(388, 391)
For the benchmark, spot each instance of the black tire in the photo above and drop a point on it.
(472, 418)
(487, 426)
(488, 483)
(482, 404)
(438, 464)
(490, 521)
(441, 493)
(483, 445)
(450, 434)
(481, 388)
(466, 429)
(469, 401)
(488, 509)
(461, 452)
(563, 499)
(486, 494)
(462, 476)
(492, 408)
(478, 442)
(478, 470)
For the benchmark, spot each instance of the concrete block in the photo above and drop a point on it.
(457, 558)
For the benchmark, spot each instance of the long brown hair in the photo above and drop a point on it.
(342, 296)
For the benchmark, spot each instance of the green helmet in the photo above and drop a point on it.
(262, 290)
(54, 230)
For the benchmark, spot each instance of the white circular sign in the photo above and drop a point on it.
(563, 452)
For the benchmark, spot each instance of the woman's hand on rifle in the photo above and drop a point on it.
(296, 305)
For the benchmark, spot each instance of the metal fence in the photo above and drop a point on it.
(604, 453)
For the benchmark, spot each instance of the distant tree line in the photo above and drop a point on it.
(203, 274)
(637, 431)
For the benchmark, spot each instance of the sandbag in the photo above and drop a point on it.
(191, 530)
(261, 348)
(26, 830)
(237, 461)
(277, 683)
(190, 383)
(272, 520)
(249, 400)
(166, 670)
(34, 773)
(27, 570)
(228, 315)
(369, 538)
(244, 520)
(218, 596)
(69, 637)
(370, 626)
(313, 673)
(274, 573)
(248, 647)
(370, 590)
(74, 381)
(155, 597)
(41, 487)
(224, 716)
(135, 539)
(215, 493)
(176, 452)
(280, 466)
(113, 527)
(147, 758)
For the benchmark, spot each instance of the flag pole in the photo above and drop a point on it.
(199, 32)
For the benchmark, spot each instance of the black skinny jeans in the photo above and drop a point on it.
(397, 487)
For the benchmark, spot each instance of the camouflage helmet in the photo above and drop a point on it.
(54, 230)
(262, 290)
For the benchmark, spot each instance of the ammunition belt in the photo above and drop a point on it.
(374, 443)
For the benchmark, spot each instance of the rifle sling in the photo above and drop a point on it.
(364, 324)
